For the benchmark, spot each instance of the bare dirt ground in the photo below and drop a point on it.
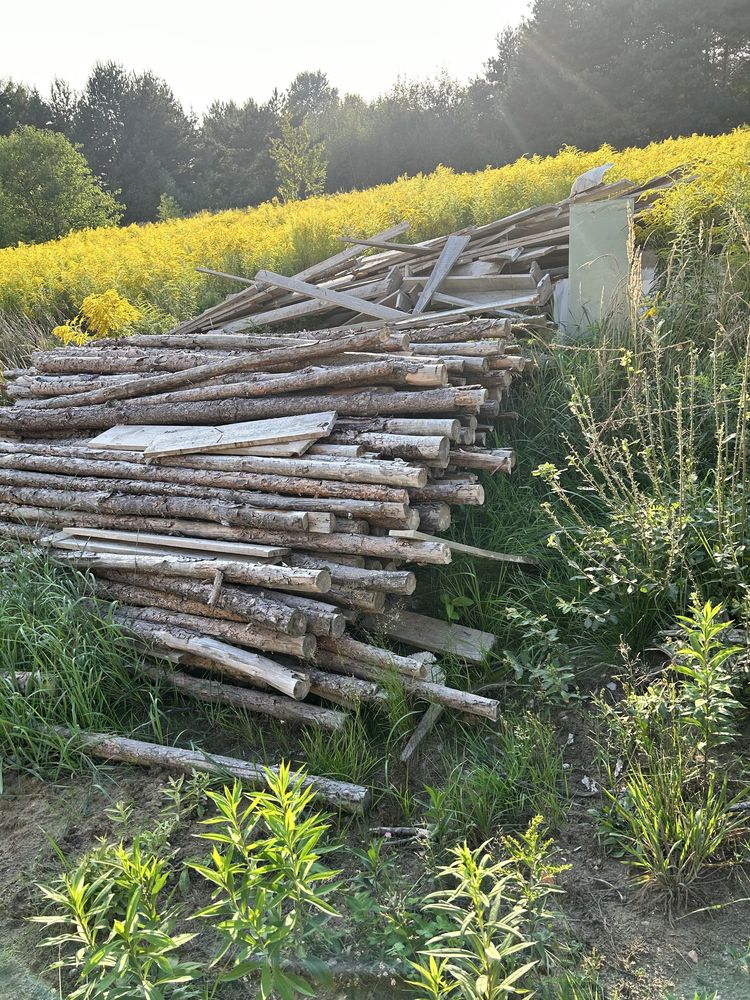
(640, 954)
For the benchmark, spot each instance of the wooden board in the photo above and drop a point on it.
(137, 437)
(352, 302)
(469, 550)
(247, 433)
(452, 250)
(248, 549)
(137, 548)
(435, 635)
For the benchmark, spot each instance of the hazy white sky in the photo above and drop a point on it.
(236, 49)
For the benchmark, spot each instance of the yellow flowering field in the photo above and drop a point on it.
(153, 266)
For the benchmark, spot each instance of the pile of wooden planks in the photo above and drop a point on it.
(504, 268)
(251, 504)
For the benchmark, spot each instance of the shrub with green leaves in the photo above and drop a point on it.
(668, 799)
(650, 502)
(481, 956)
(116, 928)
(267, 880)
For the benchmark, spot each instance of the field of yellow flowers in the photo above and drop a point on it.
(153, 266)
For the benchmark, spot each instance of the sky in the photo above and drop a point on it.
(234, 50)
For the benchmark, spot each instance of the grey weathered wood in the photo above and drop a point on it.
(251, 665)
(337, 794)
(275, 357)
(365, 653)
(342, 299)
(278, 707)
(469, 550)
(421, 732)
(257, 574)
(452, 250)
(235, 633)
(446, 638)
(235, 304)
(217, 547)
(461, 701)
(228, 437)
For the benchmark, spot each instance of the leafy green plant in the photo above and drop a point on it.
(709, 706)
(536, 875)
(454, 604)
(115, 932)
(654, 503)
(670, 834)
(267, 880)
(480, 956)
(387, 907)
(542, 662)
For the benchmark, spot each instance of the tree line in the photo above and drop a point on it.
(579, 72)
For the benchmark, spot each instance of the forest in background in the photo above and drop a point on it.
(577, 72)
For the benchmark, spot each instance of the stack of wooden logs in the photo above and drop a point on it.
(268, 529)
(250, 503)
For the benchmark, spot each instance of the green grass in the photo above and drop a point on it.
(490, 782)
(80, 665)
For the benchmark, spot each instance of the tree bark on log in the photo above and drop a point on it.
(450, 492)
(406, 446)
(322, 618)
(336, 794)
(452, 399)
(261, 385)
(234, 633)
(275, 357)
(112, 502)
(278, 707)
(269, 610)
(374, 656)
(257, 574)
(69, 459)
(127, 477)
(433, 516)
(390, 581)
(251, 666)
(461, 701)
(428, 553)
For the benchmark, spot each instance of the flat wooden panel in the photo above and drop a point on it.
(436, 635)
(229, 437)
(599, 262)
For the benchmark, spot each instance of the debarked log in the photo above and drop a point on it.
(336, 794)
(249, 700)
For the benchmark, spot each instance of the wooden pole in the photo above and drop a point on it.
(336, 794)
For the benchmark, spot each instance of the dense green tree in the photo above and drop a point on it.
(137, 137)
(300, 162)
(309, 97)
(21, 105)
(47, 188)
(233, 165)
(578, 72)
(622, 71)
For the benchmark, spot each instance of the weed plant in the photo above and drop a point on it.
(668, 797)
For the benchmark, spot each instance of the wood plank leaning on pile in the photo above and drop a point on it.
(253, 503)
